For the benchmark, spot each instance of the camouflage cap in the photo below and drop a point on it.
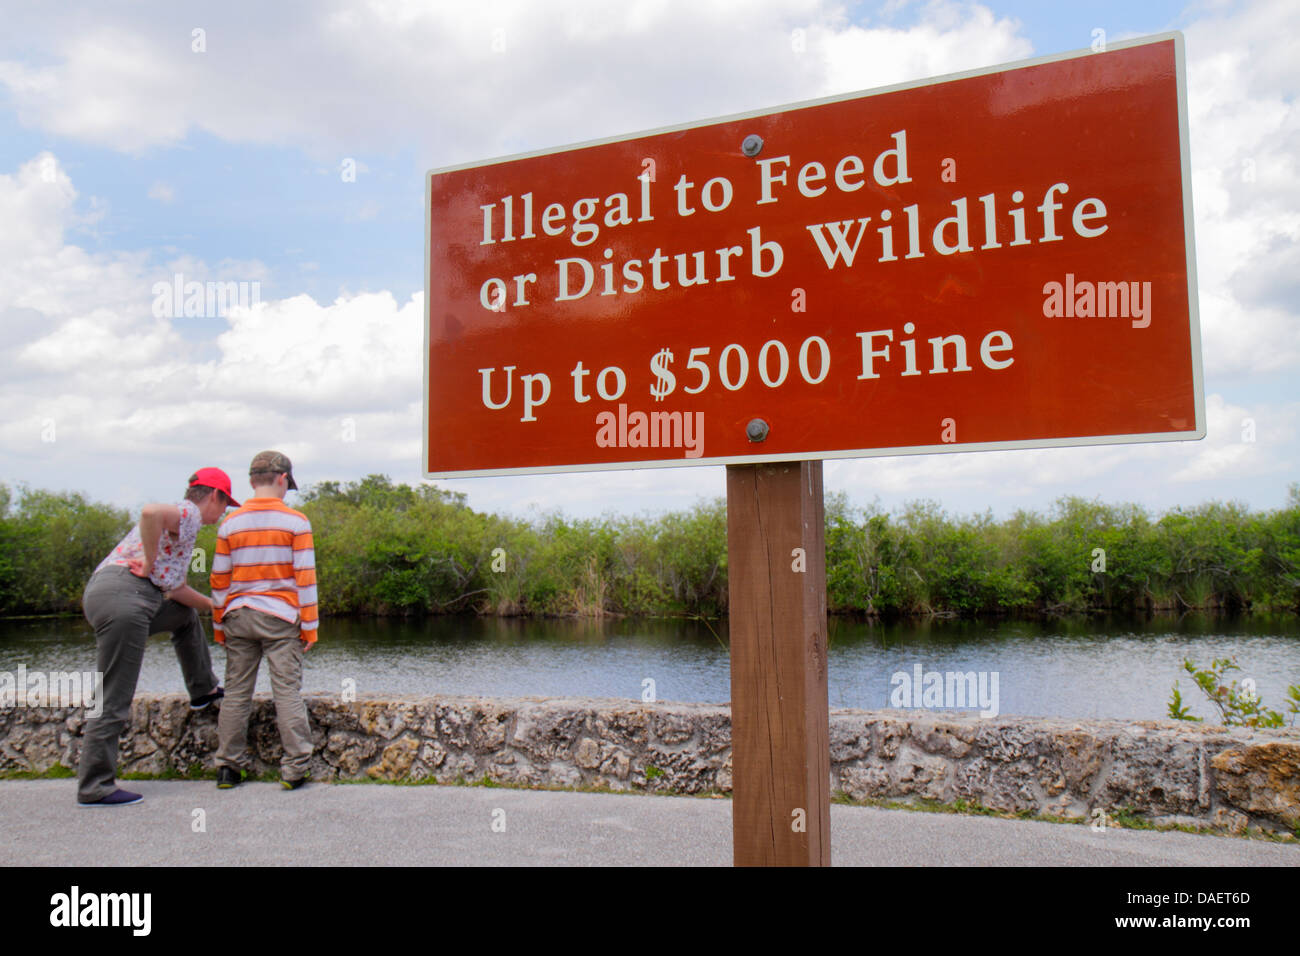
(273, 462)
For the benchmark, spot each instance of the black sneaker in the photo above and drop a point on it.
(228, 777)
(198, 703)
(294, 784)
(118, 798)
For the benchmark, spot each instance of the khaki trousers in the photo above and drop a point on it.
(124, 610)
(250, 636)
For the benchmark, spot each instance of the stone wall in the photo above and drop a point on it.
(1163, 771)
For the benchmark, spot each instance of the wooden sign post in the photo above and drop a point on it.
(780, 722)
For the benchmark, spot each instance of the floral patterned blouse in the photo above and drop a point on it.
(172, 562)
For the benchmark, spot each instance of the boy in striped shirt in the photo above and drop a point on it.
(264, 605)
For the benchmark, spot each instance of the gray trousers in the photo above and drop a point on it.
(124, 610)
(250, 636)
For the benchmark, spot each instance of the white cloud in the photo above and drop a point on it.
(1243, 82)
(79, 343)
(456, 82)
(115, 84)
(43, 280)
(350, 356)
(461, 80)
(953, 37)
(1242, 442)
(34, 203)
(84, 350)
(1227, 453)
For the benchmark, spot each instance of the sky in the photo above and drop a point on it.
(284, 146)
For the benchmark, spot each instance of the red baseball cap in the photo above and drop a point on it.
(214, 478)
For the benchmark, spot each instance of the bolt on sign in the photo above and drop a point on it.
(998, 259)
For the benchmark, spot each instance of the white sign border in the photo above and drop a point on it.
(1193, 309)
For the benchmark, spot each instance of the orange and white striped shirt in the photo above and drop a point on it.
(265, 560)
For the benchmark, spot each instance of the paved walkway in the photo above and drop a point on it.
(191, 822)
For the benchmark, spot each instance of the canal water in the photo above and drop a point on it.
(1116, 668)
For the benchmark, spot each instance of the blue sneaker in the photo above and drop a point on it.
(118, 798)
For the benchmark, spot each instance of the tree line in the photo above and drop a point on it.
(392, 549)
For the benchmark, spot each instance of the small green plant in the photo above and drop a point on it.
(56, 772)
(973, 807)
(652, 772)
(1293, 702)
(195, 771)
(1127, 816)
(1237, 706)
(1177, 709)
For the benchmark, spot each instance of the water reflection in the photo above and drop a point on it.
(1118, 667)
